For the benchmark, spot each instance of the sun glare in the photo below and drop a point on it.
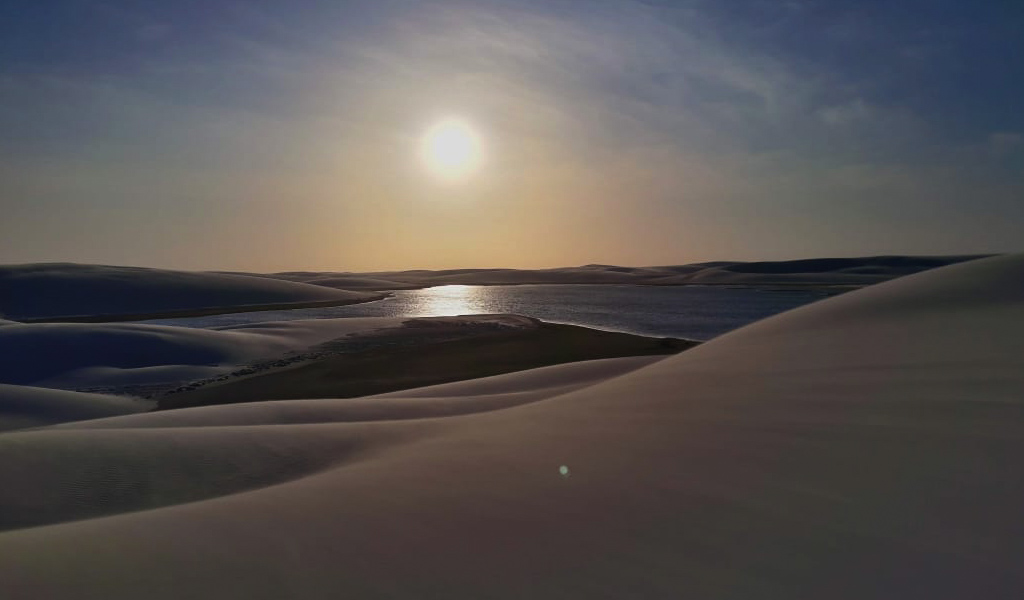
(452, 150)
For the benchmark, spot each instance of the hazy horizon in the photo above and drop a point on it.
(341, 269)
(225, 136)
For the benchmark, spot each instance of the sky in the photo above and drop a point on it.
(267, 136)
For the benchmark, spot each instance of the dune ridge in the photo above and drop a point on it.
(79, 355)
(816, 272)
(273, 360)
(866, 446)
(67, 291)
(23, 407)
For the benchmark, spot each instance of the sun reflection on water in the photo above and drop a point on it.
(450, 301)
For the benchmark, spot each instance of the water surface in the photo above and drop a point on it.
(692, 312)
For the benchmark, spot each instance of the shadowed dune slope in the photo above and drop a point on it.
(866, 446)
(69, 355)
(23, 407)
(463, 397)
(54, 290)
(426, 357)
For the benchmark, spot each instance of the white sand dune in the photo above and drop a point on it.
(51, 290)
(866, 446)
(546, 380)
(88, 356)
(845, 272)
(463, 397)
(346, 281)
(93, 355)
(22, 407)
(355, 282)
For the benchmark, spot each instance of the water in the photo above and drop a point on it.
(691, 312)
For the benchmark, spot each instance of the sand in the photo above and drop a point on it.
(843, 273)
(24, 407)
(83, 356)
(422, 352)
(63, 291)
(275, 360)
(866, 446)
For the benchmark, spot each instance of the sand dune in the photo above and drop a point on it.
(841, 272)
(61, 290)
(425, 351)
(866, 446)
(23, 407)
(358, 283)
(128, 357)
(95, 355)
(464, 397)
(545, 381)
(345, 281)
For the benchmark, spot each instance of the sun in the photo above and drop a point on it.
(452, 149)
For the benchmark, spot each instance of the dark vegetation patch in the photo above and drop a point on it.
(388, 365)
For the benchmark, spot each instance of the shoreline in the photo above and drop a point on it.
(827, 289)
(202, 312)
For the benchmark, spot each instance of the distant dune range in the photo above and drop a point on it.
(67, 292)
(864, 446)
(816, 272)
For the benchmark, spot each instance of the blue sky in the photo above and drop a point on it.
(279, 135)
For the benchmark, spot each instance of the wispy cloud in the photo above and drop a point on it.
(694, 126)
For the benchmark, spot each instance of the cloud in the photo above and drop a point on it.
(1004, 142)
(846, 114)
(665, 124)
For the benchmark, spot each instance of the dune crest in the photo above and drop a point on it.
(96, 355)
(67, 291)
(23, 407)
(817, 272)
